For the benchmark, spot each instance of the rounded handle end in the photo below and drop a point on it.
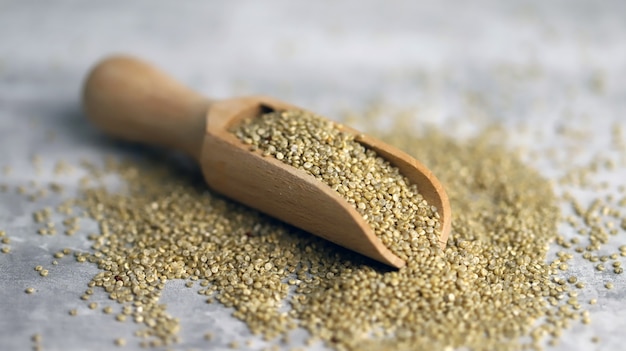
(132, 100)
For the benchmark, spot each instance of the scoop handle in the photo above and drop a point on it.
(132, 100)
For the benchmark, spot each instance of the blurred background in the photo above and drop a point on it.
(459, 65)
(329, 53)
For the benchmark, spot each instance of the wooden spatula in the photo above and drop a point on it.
(132, 100)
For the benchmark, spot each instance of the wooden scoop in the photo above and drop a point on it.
(132, 100)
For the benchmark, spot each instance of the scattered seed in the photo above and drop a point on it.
(120, 317)
(165, 228)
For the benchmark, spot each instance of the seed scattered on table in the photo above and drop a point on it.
(164, 226)
(595, 339)
(36, 338)
(181, 231)
(120, 318)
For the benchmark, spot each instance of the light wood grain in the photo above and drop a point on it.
(134, 101)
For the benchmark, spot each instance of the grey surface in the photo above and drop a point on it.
(543, 64)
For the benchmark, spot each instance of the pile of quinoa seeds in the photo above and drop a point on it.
(494, 287)
(389, 203)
